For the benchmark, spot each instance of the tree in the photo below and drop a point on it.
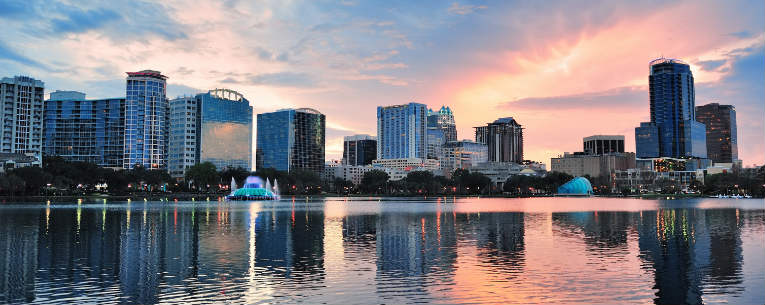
(34, 178)
(374, 181)
(238, 173)
(419, 182)
(342, 186)
(203, 175)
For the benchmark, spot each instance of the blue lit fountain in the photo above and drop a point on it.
(253, 189)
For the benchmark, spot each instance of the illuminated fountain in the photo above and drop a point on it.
(253, 189)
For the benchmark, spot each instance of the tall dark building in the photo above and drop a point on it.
(82, 130)
(673, 130)
(359, 150)
(291, 138)
(504, 138)
(722, 142)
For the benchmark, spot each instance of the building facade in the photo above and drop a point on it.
(462, 155)
(147, 115)
(580, 164)
(722, 139)
(436, 138)
(603, 144)
(82, 130)
(359, 150)
(184, 135)
(225, 129)
(504, 139)
(401, 131)
(673, 124)
(291, 139)
(21, 101)
(443, 119)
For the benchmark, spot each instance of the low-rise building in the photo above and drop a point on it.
(642, 180)
(10, 161)
(581, 164)
(408, 164)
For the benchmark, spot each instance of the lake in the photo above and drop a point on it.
(386, 251)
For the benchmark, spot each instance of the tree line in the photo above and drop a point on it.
(61, 177)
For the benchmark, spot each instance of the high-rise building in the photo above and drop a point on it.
(213, 127)
(481, 133)
(443, 119)
(21, 101)
(359, 150)
(147, 114)
(401, 131)
(504, 138)
(435, 143)
(673, 130)
(602, 144)
(184, 135)
(722, 141)
(82, 130)
(290, 139)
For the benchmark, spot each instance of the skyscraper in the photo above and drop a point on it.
(673, 130)
(359, 150)
(504, 138)
(401, 131)
(21, 132)
(443, 119)
(290, 139)
(82, 130)
(722, 141)
(146, 120)
(213, 127)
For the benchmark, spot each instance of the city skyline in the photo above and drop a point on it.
(540, 68)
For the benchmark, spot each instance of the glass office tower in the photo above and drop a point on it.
(722, 141)
(673, 114)
(401, 131)
(147, 115)
(359, 150)
(225, 137)
(290, 139)
(82, 130)
(213, 127)
(443, 119)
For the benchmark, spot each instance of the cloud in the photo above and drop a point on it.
(79, 21)
(6, 53)
(283, 79)
(263, 53)
(458, 9)
(711, 65)
(15, 9)
(618, 98)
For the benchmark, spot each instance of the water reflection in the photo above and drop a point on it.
(340, 251)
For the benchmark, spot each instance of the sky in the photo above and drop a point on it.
(563, 69)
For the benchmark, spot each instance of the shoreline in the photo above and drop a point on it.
(221, 197)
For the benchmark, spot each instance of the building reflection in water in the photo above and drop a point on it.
(218, 252)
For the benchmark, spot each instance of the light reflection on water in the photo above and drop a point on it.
(339, 250)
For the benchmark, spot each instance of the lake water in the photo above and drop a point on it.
(389, 251)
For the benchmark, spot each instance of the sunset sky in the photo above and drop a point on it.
(563, 69)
